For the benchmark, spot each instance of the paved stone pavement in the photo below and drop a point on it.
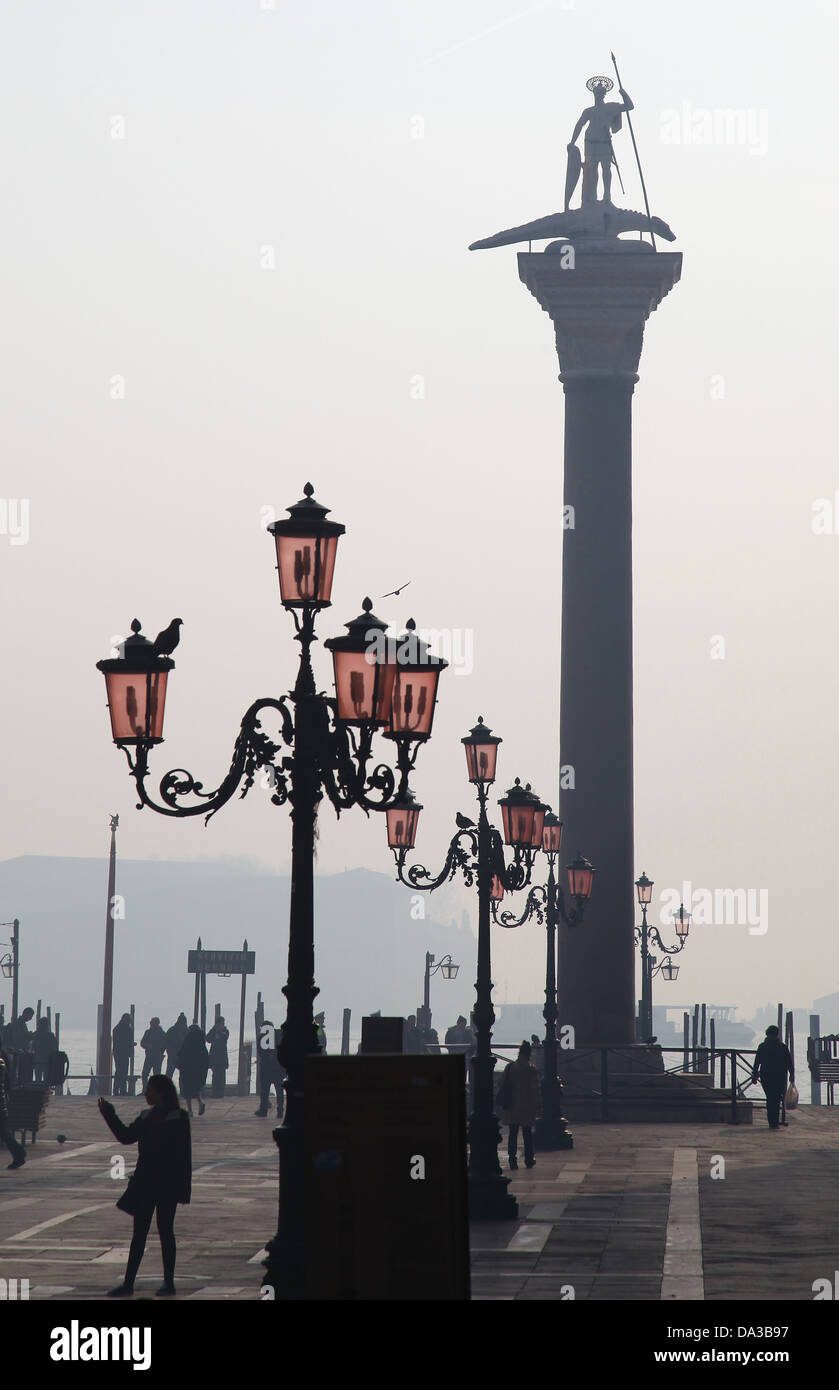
(631, 1213)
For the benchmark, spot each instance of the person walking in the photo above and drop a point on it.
(521, 1104)
(193, 1063)
(219, 1060)
(153, 1043)
(537, 1054)
(123, 1040)
(320, 1025)
(161, 1179)
(17, 1150)
(174, 1038)
(269, 1071)
(44, 1044)
(773, 1064)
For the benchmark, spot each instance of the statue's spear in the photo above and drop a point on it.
(637, 160)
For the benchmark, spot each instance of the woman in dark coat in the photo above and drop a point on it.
(219, 1060)
(193, 1063)
(161, 1179)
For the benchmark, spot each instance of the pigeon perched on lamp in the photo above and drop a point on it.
(166, 641)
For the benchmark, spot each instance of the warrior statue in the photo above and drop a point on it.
(597, 225)
(603, 120)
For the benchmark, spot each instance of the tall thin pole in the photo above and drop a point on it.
(426, 993)
(196, 1005)
(488, 1194)
(551, 1131)
(241, 1076)
(16, 965)
(637, 159)
(103, 1061)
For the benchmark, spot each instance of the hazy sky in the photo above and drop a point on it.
(164, 386)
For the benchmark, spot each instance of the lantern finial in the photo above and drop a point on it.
(308, 490)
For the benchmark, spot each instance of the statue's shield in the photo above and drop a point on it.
(572, 173)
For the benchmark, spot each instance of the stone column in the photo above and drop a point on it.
(598, 301)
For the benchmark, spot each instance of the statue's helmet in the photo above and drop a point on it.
(600, 85)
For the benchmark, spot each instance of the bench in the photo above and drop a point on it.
(27, 1106)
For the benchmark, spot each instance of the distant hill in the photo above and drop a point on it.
(369, 950)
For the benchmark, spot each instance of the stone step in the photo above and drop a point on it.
(656, 1110)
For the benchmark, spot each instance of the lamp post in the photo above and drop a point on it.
(11, 962)
(382, 685)
(447, 969)
(547, 903)
(103, 1057)
(8, 963)
(650, 965)
(478, 852)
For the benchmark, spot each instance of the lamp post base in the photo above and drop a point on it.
(489, 1199)
(552, 1133)
(286, 1263)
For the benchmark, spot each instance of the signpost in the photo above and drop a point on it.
(202, 963)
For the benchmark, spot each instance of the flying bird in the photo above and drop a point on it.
(394, 593)
(166, 641)
(463, 822)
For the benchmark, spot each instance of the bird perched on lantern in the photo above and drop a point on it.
(166, 641)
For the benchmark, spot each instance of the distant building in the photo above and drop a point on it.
(827, 1008)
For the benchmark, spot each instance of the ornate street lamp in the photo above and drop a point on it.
(329, 743)
(547, 903)
(11, 962)
(681, 921)
(447, 969)
(650, 966)
(478, 852)
(415, 687)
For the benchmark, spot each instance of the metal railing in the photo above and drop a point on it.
(735, 1066)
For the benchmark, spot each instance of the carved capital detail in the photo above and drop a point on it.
(599, 305)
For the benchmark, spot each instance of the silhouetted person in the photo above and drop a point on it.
(194, 1063)
(19, 1038)
(320, 1024)
(161, 1179)
(413, 1035)
(17, 1150)
(270, 1072)
(123, 1040)
(522, 1105)
(174, 1040)
(773, 1064)
(153, 1043)
(537, 1054)
(44, 1044)
(458, 1033)
(219, 1060)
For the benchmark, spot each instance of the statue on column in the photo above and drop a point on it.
(597, 224)
(603, 120)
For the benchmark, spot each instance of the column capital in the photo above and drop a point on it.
(598, 302)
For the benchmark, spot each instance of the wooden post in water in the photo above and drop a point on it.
(812, 1044)
(197, 1004)
(345, 1034)
(694, 1036)
(686, 1020)
(132, 1081)
(244, 1080)
(713, 1050)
